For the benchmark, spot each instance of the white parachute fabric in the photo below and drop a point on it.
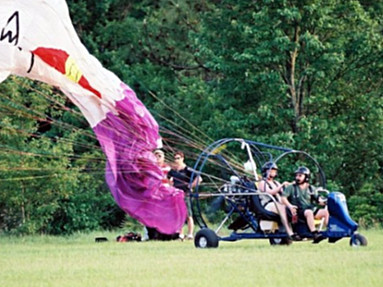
(38, 41)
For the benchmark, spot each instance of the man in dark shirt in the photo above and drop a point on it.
(180, 175)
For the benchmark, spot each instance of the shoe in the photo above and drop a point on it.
(295, 237)
(190, 237)
(181, 237)
(317, 237)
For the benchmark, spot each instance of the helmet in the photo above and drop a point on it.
(304, 170)
(268, 166)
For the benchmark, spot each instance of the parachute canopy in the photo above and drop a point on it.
(38, 41)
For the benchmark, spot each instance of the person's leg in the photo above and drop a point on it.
(190, 227)
(181, 234)
(322, 213)
(281, 210)
(317, 236)
(283, 215)
(309, 215)
(190, 220)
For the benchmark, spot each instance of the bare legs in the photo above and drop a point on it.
(281, 210)
(190, 223)
(309, 214)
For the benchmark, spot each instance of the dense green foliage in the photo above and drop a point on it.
(302, 74)
(50, 179)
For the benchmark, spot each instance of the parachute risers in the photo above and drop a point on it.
(132, 174)
(39, 42)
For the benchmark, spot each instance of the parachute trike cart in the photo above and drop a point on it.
(226, 203)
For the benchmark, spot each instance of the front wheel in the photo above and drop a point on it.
(358, 240)
(206, 238)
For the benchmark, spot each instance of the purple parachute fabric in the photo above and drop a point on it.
(128, 138)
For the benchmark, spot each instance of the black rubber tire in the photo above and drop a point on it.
(358, 240)
(279, 241)
(206, 238)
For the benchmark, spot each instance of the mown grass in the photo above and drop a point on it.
(79, 261)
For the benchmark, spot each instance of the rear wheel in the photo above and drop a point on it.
(206, 238)
(279, 241)
(358, 240)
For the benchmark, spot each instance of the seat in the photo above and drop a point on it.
(256, 208)
(261, 212)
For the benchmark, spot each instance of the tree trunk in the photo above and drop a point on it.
(22, 203)
(294, 90)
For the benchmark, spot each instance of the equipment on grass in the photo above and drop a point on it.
(100, 239)
(128, 237)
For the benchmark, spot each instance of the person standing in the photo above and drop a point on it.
(180, 174)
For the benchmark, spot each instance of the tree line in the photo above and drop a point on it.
(301, 74)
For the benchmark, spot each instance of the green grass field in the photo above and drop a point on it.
(79, 261)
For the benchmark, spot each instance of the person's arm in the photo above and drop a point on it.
(284, 199)
(263, 186)
(196, 181)
(286, 202)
